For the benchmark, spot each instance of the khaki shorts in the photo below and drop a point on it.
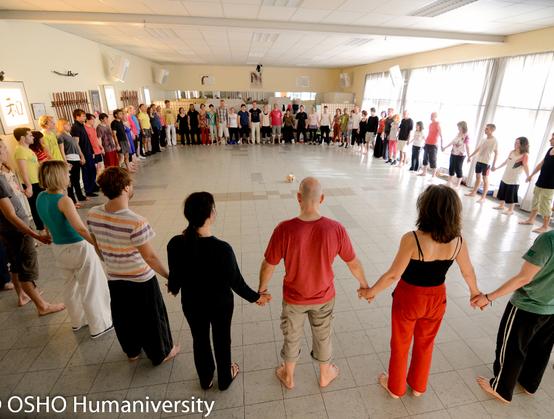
(22, 255)
(292, 326)
(402, 145)
(542, 201)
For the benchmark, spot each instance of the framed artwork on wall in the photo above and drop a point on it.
(111, 98)
(39, 109)
(14, 107)
(95, 101)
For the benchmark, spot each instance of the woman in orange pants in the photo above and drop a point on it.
(419, 300)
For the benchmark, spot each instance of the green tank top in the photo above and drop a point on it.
(60, 229)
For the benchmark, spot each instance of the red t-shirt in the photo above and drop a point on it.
(276, 117)
(309, 248)
(93, 138)
(433, 134)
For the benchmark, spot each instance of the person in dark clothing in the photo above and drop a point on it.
(183, 129)
(244, 124)
(194, 124)
(207, 289)
(156, 128)
(301, 118)
(386, 132)
(89, 168)
(372, 125)
(406, 127)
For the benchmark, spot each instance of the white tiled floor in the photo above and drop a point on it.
(376, 203)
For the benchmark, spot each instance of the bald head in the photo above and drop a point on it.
(310, 189)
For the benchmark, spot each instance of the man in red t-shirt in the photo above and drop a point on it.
(276, 122)
(308, 244)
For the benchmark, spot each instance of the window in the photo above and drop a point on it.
(380, 93)
(147, 98)
(111, 99)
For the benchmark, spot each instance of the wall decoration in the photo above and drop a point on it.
(67, 73)
(66, 102)
(14, 107)
(39, 109)
(255, 79)
(95, 101)
(207, 80)
(111, 98)
(129, 97)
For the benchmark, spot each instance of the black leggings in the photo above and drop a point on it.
(301, 130)
(325, 130)
(355, 139)
(456, 165)
(74, 189)
(234, 135)
(200, 319)
(312, 134)
(430, 155)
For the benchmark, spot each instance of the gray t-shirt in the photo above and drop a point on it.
(7, 192)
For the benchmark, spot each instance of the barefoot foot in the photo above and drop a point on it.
(383, 380)
(500, 207)
(507, 212)
(540, 230)
(286, 381)
(7, 287)
(23, 300)
(527, 222)
(470, 194)
(329, 376)
(174, 351)
(416, 393)
(50, 309)
(485, 385)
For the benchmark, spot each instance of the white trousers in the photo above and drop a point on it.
(170, 134)
(86, 295)
(223, 131)
(256, 133)
(213, 133)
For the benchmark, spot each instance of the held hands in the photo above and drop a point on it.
(367, 294)
(44, 238)
(265, 298)
(480, 301)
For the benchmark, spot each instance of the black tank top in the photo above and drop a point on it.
(428, 273)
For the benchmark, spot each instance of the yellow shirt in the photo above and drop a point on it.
(169, 116)
(144, 120)
(51, 143)
(31, 161)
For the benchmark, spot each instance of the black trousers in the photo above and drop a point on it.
(378, 149)
(140, 319)
(301, 130)
(523, 348)
(244, 132)
(155, 140)
(74, 189)
(200, 319)
(354, 139)
(312, 134)
(184, 137)
(456, 166)
(234, 135)
(195, 135)
(288, 135)
(89, 175)
(415, 158)
(325, 130)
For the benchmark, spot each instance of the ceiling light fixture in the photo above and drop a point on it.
(282, 3)
(440, 7)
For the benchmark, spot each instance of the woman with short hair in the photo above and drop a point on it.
(419, 299)
(86, 294)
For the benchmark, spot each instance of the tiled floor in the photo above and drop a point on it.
(376, 202)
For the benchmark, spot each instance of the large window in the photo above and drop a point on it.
(455, 92)
(381, 93)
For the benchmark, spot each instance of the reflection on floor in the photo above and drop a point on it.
(376, 202)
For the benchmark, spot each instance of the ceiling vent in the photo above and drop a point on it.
(264, 38)
(440, 7)
(161, 33)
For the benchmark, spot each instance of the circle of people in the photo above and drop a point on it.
(126, 296)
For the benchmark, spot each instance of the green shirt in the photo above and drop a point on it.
(538, 296)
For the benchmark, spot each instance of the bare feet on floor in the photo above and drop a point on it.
(470, 194)
(288, 382)
(332, 373)
(383, 380)
(500, 207)
(527, 222)
(540, 230)
(485, 385)
(416, 393)
(23, 300)
(7, 287)
(508, 212)
(174, 351)
(480, 200)
(50, 309)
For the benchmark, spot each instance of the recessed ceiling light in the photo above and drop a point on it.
(440, 7)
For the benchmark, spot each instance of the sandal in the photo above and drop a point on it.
(234, 370)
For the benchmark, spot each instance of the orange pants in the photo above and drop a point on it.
(417, 314)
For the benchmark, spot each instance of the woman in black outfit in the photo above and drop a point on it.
(155, 130)
(183, 126)
(207, 296)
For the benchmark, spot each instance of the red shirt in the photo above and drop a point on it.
(93, 137)
(433, 134)
(309, 249)
(276, 117)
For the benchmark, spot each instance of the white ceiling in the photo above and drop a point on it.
(207, 39)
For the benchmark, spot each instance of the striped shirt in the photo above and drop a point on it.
(222, 115)
(118, 235)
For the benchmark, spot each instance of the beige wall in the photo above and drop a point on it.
(38, 49)
(237, 78)
(519, 44)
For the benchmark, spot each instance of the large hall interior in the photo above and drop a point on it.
(336, 158)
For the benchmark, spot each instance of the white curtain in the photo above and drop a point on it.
(380, 93)
(456, 92)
